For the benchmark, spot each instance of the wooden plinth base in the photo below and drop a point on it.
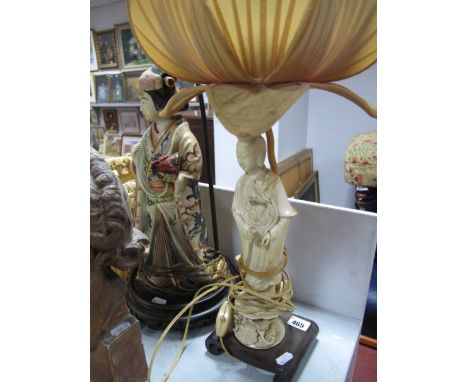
(120, 356)
(157, 314)
(275, 360)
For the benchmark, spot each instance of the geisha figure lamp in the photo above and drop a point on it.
(168, 165)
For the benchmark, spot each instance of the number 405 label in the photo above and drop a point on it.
(299, 323)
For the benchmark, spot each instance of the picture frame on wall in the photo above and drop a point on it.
(106, 49)
(94, 119)
(112, 145)
(92, 90)
(102, 88)
(311, 189)
(98, 133)
(128, 141)
(132, 87)
(110, 121)
(93, 65)
(129, 121)
(130, 53)
(116, 88)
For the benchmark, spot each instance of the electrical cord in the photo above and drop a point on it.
(198, 296)
(251, 303)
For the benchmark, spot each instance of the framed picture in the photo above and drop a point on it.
(112, 145)
(128, 141)
(98, 132)
(110, 121)
(311, 191)
(92, 53)
(132, 88)
(129, 121)
(94, 117)
(116, 88)
(102, 88)
(106, 49)
(92, 89)
(97, 138)
(131, 54)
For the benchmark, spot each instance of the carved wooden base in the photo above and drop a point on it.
(158, 311)
(120, 356)
(277, 360)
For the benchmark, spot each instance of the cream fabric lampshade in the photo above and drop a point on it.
(257, 57)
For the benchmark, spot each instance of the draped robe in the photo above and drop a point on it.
(169, 209)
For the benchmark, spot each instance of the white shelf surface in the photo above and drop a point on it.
(328, 359)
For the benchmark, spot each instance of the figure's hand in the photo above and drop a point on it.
(166, 163)
(251, 232)
(266, 239)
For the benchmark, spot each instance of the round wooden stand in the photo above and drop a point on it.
(157, 311)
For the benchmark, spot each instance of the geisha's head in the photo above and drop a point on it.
(156, 89)
(251, 153)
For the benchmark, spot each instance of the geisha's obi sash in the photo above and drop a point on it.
(158, 172)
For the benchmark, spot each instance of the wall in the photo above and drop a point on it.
(227, 169)
(293, 129)
(104, 17)
(332, 122)
(290, 137)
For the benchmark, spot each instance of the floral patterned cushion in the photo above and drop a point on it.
(361, 160)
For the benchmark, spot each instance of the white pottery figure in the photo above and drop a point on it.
(262, 213)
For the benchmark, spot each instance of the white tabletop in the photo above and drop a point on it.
(329, 358)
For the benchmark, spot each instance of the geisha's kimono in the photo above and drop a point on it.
(168, 166)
